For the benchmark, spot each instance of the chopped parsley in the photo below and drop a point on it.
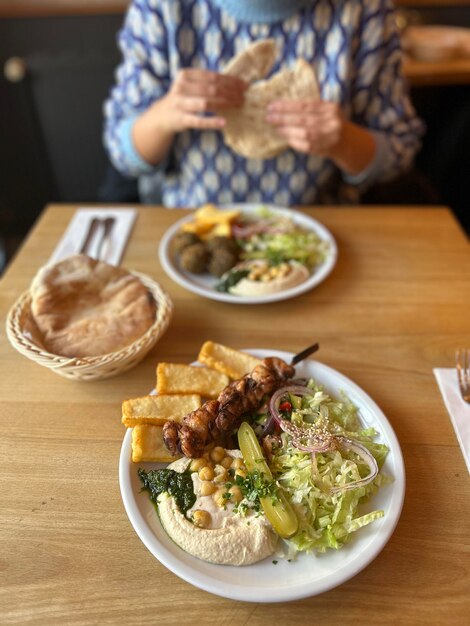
(254, 486)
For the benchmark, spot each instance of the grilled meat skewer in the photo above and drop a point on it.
(215, 418)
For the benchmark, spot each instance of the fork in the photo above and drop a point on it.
(107, 225)
(462, 361)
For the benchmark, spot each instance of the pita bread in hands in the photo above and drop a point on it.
(255, 62)
(83, 307)
(246, 130)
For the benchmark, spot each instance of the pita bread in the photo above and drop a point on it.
(246, 130)
(83, 307)
(255, 62)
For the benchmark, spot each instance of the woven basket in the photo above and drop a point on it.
(94, 367)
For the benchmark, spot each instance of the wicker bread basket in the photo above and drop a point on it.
(19, 324)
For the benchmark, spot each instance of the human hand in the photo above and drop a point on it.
(311, 126)
(195, 92)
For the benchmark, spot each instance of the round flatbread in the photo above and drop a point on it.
(246, 130)
(253, 63)
(83, 307)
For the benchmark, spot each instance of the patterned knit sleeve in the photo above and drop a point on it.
(381, 102)
(141, 78)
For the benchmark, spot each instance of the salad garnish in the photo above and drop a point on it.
(278, 239)
(319, 436)
(326, 463)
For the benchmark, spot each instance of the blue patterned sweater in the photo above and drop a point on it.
(354, 48)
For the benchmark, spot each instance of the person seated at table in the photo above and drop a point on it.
(158, 126)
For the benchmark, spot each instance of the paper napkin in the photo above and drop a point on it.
(457, 408)
(77, 229)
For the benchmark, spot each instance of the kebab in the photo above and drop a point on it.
(215, 419)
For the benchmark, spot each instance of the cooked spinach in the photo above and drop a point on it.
(177, 484)
(231, 278)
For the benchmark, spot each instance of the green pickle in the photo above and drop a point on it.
(280, 513)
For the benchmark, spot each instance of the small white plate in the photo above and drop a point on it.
(203, 284)
(308, 575)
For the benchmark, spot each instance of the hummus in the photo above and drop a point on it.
(297, 273)
(230, 540)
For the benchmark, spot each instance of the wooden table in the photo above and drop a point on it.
(396, 305)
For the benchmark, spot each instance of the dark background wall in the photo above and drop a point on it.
(51, 117)
(55, 73)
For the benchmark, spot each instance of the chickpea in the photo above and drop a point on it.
(284, 269)
(222, 477)
(227, 462)
(237, 464)
(219, 497)
(206, 488)
(202, 519)
(197, 464)
(217, 454)
(236, 494)
(241, 473)
(206, 473)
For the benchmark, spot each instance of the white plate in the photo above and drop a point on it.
(203, 284)
(309, 575)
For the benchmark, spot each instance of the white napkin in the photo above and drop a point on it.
(77, 229)
(457, 408)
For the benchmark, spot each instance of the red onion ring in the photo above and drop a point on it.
(244, 232)
(276, 399)
(366, 456)
(315, 440)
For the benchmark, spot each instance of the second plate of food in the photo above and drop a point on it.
(248, 253)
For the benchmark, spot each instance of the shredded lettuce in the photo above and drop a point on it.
(305, 247)
(282, 240)
(327, 519)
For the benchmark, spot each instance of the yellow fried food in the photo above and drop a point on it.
(223, 229)
(158, 409)
(148, 444)
(201, 229)
(213, 215)
(174, 378)
(231, 362)
(209, 221)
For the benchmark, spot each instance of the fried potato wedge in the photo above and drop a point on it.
(233, 363)
(209, 213)
(148, 444)
(202, 229)
(209, 221)
(223, 229)
(174, 378)
(158, 409)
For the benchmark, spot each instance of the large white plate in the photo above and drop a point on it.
(203, 284)
(309, 574)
